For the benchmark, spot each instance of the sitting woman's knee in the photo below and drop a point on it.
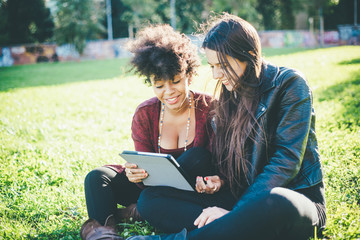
(145, 204)
(96, 175)
(151, 200)
(283, 201)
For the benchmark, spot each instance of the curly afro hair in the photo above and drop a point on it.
(161, 53)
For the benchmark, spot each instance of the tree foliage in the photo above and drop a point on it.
(287, 14)
(189, 14)
(23, 21)
(279, 14)
(269, 10)
(140, 13)
(4, 35)
(120, 27)
(341, 12)
(78, 21)
(334, 12)
(263, 14)
(242, 8)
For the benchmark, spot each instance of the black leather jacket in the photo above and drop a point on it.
(285, 153)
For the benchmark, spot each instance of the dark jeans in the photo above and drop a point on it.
(105, 188)
(278, 214)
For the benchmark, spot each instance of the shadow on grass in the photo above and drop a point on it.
(348, 93)
(47, 74)
(352, 61)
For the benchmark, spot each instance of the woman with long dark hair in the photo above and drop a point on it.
(265, 152)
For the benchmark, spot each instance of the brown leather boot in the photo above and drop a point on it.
(93, 230)
(128, 213)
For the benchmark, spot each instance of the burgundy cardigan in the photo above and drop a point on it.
(145, 127)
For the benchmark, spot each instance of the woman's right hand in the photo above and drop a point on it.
(135, 174)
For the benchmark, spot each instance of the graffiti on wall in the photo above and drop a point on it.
(279, 39)
(67, 52)
(29, 54)
(332, 38)
(103, 49)
(6, 59)
(106, 49)
(349, 34)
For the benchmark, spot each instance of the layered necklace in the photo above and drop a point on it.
(162, 123)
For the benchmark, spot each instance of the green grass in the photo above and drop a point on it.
(60, 73)
(59, 121)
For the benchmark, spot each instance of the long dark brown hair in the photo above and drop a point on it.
(231, 36)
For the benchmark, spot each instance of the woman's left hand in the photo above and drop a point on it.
(211, 186)
(208, 215)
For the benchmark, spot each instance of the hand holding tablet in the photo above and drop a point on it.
(161, 169)
(135, 174)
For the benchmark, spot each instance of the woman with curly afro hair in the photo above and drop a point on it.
(173, 122)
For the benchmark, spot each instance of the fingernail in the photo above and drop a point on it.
(206, 178)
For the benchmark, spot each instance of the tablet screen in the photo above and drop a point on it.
(163, 169)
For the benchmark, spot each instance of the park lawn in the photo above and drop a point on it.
(60, 120)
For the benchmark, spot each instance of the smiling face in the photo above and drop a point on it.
(173, 93)
(218, 71)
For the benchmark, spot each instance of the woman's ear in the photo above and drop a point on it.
(189, 80)
(252, 53)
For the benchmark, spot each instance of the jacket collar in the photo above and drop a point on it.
(269, 73)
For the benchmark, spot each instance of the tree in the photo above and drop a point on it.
(188, 13)
(316, 8)
(242, 8)
(120, 27)
(340, 12)
(78, 21)
(279, 14)
(140, 13)
(287, 17)
(23, 21)
(4, 34)
(269, 10)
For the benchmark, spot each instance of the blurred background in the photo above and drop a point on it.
(34, 31)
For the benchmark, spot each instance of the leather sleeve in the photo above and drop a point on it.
(291, 116)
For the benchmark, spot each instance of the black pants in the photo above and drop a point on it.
(277, 214)
(105, 188)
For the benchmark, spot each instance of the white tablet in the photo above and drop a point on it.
(163, 169)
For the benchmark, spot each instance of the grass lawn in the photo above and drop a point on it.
(60, 120)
